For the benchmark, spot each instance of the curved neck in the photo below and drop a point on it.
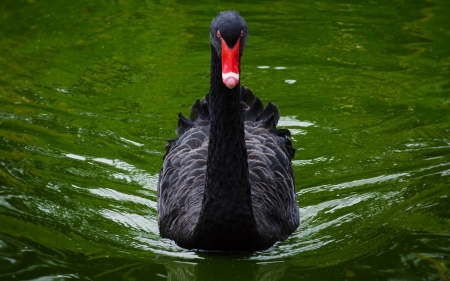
(226, 215)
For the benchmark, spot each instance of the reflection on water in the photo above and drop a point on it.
(89, 93)
(226, 270)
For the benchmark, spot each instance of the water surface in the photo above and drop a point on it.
(90, 91)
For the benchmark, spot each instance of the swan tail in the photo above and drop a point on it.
(202, 110)
(251, 113)
(184, 124)
(269, 122)
(269, 110)
(248, 98)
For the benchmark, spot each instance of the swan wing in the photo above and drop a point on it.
(181, 184)
(272, 182)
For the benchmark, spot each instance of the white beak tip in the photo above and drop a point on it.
(230, 79)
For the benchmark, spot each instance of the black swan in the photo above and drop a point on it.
(227, 182)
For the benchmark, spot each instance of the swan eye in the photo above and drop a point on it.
(242, 33)
(218, 34)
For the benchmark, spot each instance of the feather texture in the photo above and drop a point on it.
(227, 182)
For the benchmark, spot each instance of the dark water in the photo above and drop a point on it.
(90, 90)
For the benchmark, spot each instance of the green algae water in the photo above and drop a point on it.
(90, 91)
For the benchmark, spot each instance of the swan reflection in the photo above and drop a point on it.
(219, 269)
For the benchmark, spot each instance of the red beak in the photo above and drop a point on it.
(230, 64)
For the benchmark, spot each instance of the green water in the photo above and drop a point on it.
(90, 91)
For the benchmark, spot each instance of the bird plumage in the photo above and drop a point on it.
(227, 182)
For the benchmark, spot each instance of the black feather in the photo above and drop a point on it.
(251, 114)
(184, 124)
(227, 182)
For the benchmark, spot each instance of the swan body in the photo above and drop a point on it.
(227, 182)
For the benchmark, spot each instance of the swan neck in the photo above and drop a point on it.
(226, 212)
(227, 153)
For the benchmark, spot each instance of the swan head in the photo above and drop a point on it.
(228, 34)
